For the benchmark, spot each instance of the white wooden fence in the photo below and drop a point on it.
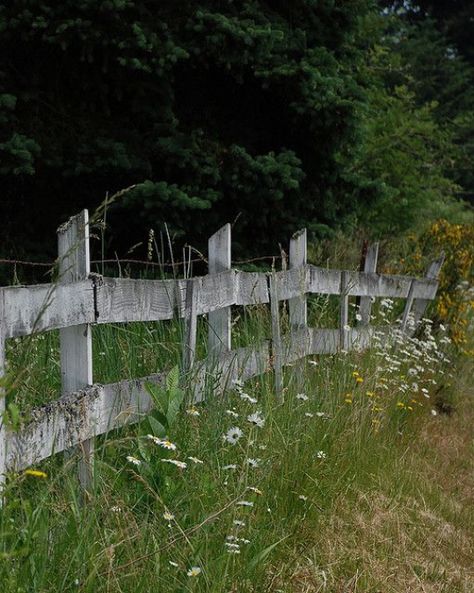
(80, 300)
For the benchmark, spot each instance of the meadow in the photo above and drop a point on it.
(359, 480)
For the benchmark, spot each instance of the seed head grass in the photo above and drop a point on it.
(348, 483)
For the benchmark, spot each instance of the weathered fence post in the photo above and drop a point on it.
(432, 273)
(344, 312)
(190, 325)
(298, 258)
(370, 266)
(3, 432)
(76, 341)
(408, 306)
(298, 307)
(219, 322)
(277, 353)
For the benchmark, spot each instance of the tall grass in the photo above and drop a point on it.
(240, 493)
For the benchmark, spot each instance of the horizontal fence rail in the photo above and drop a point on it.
(80, 300)
(30, 309)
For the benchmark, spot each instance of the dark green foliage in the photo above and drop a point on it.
(435, 41)
(217, 110)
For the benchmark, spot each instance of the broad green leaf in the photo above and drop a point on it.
(173, 407)
(172, 379)
(157, 428)
(159, 397)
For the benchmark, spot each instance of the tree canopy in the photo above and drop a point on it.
(274, 115)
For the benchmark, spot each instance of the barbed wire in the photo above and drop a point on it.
(21, 262)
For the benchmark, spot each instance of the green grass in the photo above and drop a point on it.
(348, 494)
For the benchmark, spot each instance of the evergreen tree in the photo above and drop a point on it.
(236, 109)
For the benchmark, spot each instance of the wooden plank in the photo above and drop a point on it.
(216, 292)
(380, 285)
(298, 310)
(122, 300)
(3, 433)
(76, 341)
(370, 266)
(190, 325)
(79, 417)
(240, 363)
(297, 345)
(308, 341)
(277, 351)
(421, 302)
(31, 309)
(291, 283)
(251, 288)
(298, 256)
(219, 321)
(408, 306)
(324, 281)
(96, 410)
(344, 312)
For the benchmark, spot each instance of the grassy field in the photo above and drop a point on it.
(361, 480)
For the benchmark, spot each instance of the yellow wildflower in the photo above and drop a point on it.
(36, 473)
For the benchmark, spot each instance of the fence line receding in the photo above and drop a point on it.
(80, 300)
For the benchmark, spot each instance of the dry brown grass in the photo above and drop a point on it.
(412, 531)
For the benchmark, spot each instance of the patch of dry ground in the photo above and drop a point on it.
(414, 531)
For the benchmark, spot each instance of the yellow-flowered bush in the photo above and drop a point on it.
(455, 300)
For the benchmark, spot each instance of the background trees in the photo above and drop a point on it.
(282, 115)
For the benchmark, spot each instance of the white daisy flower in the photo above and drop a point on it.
(246, 397)
(231, 466)
(232, 546)
(176, 462)
(303, 497)
(321, 455)
(256, 490)
(133, 460)
(165, 443)
(192, 412)
(233, 435)
(194, 571)
(232, 413)
(167, 516)
(172, 563)
(302, 396)
(244, 503)
(238, 523)
(256, 419)
(195, 460)
(308, 414)
(253, 462)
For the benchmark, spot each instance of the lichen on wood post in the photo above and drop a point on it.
(76, 341)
